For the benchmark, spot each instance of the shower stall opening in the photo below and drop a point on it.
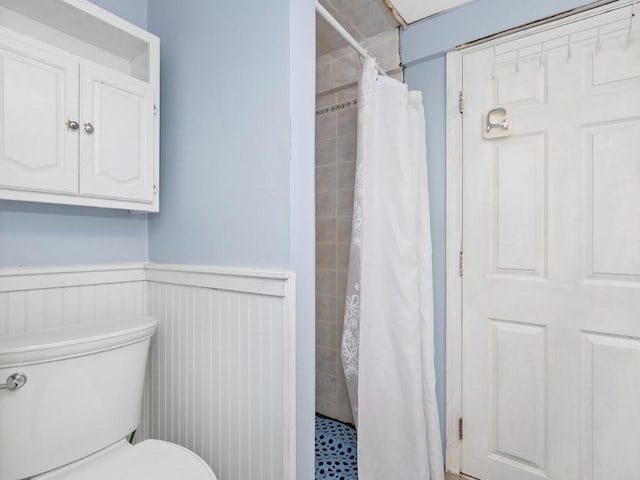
(339, 172)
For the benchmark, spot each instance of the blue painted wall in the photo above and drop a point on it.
(33, 234)
(302, 80)
(423, 49)
(226, 146)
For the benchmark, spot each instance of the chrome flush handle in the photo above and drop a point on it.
(14, 381)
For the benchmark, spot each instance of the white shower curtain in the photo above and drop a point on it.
(387, 345)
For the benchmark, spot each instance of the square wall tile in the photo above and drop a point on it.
(326, 334)
(344, 203)
(326, 309)
(347, 121)
(324, 407)
(326, 255)
(342, 413)
(341, 284)
(345, 70)
(346, 94)
(326, 204)
(326, 100)
(343, 252)
(326, 229)
(340, 327)
(325, 151)
(327, 387)
(343, 229)
(346, 176)
(323, 77)
(346, 149)
(326, 281)
(326, 178)
(327, 363)
(340, 313)
(326, 126)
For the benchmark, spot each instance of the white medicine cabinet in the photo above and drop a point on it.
(79, 92)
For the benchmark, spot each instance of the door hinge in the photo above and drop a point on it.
(460, 263)
(155, 189)
(155, 109)
(460, 428)
(461, 102)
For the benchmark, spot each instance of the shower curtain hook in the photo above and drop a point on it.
(540, 58)
(631, 18)
(493, 67)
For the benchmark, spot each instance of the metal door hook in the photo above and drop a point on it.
(504, 123)
(497, 123)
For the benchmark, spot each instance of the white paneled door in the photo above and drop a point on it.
(117, 136)
(38, 95)
(551, 285)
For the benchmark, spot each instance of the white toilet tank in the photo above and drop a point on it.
(83, 392)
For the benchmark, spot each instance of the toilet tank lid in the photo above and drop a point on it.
(72, 340)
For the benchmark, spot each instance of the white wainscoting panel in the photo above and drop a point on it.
(222, 376)
(36, 298)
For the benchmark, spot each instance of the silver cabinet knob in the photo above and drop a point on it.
(14, 381)
(88, 128)
(72, 125)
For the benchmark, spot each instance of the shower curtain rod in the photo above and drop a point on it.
(324, 13)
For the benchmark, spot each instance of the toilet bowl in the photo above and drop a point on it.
(72, 396)
(148, 460)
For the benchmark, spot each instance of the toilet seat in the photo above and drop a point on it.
(147, 460)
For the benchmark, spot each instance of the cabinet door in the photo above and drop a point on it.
(38, 94)
(116, 144)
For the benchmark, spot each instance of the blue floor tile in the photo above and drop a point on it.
(336, 450)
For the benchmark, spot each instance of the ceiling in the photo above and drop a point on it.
(414, 10)
(366, 18)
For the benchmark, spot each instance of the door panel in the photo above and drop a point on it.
(116, 157)
(519, 238)
(610, 414)
(518, 393)
(38, 93)
(551, 290)
(613, 197)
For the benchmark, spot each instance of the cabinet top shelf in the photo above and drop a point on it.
(84, 29)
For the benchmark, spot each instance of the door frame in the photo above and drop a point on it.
(454, 260)
(454, 208)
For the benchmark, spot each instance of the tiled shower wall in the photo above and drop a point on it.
(336, 125)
